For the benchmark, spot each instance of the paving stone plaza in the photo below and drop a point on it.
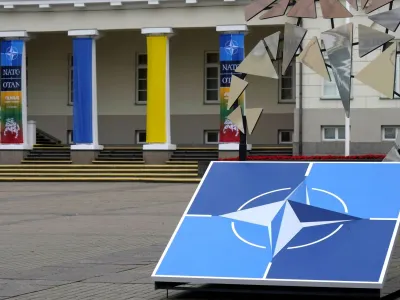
(64, 241)
(85, 241)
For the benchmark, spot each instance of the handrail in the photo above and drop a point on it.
(48, 135)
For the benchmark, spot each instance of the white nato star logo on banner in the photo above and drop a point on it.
(231, 47)
(11, 53)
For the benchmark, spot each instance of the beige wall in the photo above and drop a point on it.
(369, 112)
(116, 72)
(119, 116)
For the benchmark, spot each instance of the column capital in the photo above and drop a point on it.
(93, 33)
(14, 35)
(232, 28)
(158, 31)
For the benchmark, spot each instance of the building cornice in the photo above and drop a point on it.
(55, 5)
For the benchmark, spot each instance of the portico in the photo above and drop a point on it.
(191, 115)
(149, 86)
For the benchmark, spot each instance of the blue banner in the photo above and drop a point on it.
(82, 90)
(11, 91)
(11, 53)
(11, 64)
(231, 54)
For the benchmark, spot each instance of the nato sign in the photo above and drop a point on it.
(292, 224)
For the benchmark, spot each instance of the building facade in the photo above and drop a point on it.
(132, 42)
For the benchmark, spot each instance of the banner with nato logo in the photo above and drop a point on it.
(11, 92)
(231, 54)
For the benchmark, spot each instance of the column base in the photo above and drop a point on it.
(12, 156)
(230, 150)
(87, 147)
(159, 147)
(83, 157)
(156, 154)
(232, 147)
(84, 154)
(15, 147)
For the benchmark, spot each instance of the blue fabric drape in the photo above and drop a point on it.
(82, 90)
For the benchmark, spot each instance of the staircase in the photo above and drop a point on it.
(50, 161)
(95, 173)
(45, 139)
(183, 155)
(271, 151)
(190, 155)
(48, 150)
(120, 155)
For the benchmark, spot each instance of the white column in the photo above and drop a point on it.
(31, 133)
(347, 136)
(347, 118)
(94, 145)
(24, 36)
(158, 111)
(233, 29)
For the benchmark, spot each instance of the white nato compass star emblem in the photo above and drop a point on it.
(286, 218)
(11, 53)
(231, 47)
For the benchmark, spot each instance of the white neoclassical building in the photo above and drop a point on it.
(128, 72)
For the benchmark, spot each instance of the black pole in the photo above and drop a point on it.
(243, 136)
(243, 141)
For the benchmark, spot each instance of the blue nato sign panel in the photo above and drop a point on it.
(298, 224)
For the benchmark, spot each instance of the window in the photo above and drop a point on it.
(329, 88)
(70, 137)
(26, 81)
(397, 77)
(70, 79)
(389, 133)
(141, 79)
(140, 136)
(211, 137)
(211, 73)
(285, 136)
(333, 133)
(287, 83)
(397, 74)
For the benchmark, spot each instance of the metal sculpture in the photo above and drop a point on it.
(338, 44)
(339, 48)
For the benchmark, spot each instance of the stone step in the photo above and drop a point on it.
(96, 175)
(100, 179)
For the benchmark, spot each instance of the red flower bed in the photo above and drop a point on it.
(374, 157)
